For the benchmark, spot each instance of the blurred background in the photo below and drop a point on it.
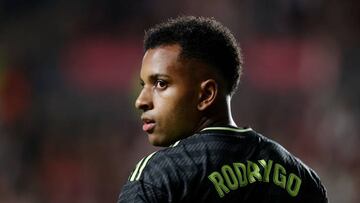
(69, 131)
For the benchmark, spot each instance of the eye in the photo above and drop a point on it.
(161, 84)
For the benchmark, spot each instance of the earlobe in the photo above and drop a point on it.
(208, 93)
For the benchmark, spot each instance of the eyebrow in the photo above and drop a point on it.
(155, 76)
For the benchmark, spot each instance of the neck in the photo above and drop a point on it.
(218, 116)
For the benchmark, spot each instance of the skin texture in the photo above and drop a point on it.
(179, 96)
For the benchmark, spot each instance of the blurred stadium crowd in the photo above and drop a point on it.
(69, 131)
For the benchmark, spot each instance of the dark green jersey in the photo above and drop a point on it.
(223, 164)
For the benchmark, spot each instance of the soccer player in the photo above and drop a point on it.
(190, 70)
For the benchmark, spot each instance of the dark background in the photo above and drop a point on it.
(69, 131)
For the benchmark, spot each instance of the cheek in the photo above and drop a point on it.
(177, 116)
(176, 98)
(183, 110)
(176, 104)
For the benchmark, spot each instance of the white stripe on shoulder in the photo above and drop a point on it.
(175, 144)
(143, 165)
(227, 128)
(132, 177)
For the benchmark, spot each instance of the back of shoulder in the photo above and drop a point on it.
(258, 165)
(290, 173)
(226, 165)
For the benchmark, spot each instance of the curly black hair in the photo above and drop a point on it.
(203, 39)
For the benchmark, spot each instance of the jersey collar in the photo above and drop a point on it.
(233, 129)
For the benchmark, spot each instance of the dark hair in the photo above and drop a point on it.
(203, 39)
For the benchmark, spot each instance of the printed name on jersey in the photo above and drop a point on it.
(238, 175)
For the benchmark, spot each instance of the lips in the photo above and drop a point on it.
(148, 125)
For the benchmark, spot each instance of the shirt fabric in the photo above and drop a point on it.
(223, 164)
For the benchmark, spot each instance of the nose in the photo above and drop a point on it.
(144, 100)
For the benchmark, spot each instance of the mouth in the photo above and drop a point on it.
(148, 125)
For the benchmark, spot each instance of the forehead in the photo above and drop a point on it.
(163, 60)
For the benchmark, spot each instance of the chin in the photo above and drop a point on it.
(156, 141)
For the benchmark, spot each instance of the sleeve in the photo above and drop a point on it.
(324, 194)
(315, 191)
(164, 176)
(139, 192)
(320, 188)
(143, 184)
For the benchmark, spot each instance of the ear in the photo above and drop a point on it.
(208, 93)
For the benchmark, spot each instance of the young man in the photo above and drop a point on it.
(189, 72)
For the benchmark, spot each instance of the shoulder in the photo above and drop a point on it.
(170, 171)
(162, 163)
(289, 164)
(137, 172)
